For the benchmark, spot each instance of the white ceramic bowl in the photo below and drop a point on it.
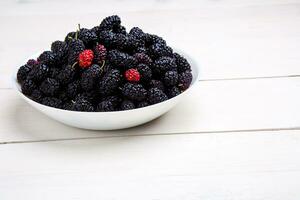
(109, 120)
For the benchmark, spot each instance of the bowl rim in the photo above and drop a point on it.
(195, 81)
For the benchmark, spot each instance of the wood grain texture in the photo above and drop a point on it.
(212, 106)
(254, 166)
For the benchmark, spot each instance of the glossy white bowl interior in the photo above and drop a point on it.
(109, 120)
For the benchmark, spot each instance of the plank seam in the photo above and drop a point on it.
(157, 134)
(251, 78)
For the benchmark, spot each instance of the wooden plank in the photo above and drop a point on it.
(245, 166)
(228, 41)
(212, 106)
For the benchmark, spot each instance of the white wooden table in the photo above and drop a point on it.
(236, 137)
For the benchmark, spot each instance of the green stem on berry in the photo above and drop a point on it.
(76, 35)
(75, 63)
(77, 32)
(102, 66)
(69, 37)
(103, 63)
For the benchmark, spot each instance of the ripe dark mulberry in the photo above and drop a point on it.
(73, 89)
(185, 80)
(155, 95)
(120, 29)
(52, 102)
(171, 78)
(145, 71)
(151, 39)
(110, 82)
(116, 100)
(164, 64)
(182, 63)
(37, 95)
(28, 86)
(60, 49)
(96, 29)
(38, 73)
(140, 50)
(62, 95)
(110, 22)
(143, 58)
(121, 59)
(75, 48)
(105, 106)
(112, 40)
(134, 91)
(142, 104)
(47, 58)
(88, 37)
(66, 75)
(53, 72)
(159, 50)
(82, 104)
(137, 33)
(136, 38)
(106, 37)
(23, 72)
(157, 84)
(91, 97)
(57, 45)
(89, 77)
(132, 43)
(67, 105)
(173, 91)
(127, 105)
(50, 87)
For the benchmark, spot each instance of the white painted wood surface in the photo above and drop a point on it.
(223, 166)
(230, 139)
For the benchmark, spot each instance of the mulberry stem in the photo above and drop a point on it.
(102, 66)
(75, 63)
(76, 34)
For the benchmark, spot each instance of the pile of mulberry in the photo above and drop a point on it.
(105, 69)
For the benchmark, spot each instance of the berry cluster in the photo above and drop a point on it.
(105, 69)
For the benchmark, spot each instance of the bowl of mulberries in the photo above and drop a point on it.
(106, 78)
